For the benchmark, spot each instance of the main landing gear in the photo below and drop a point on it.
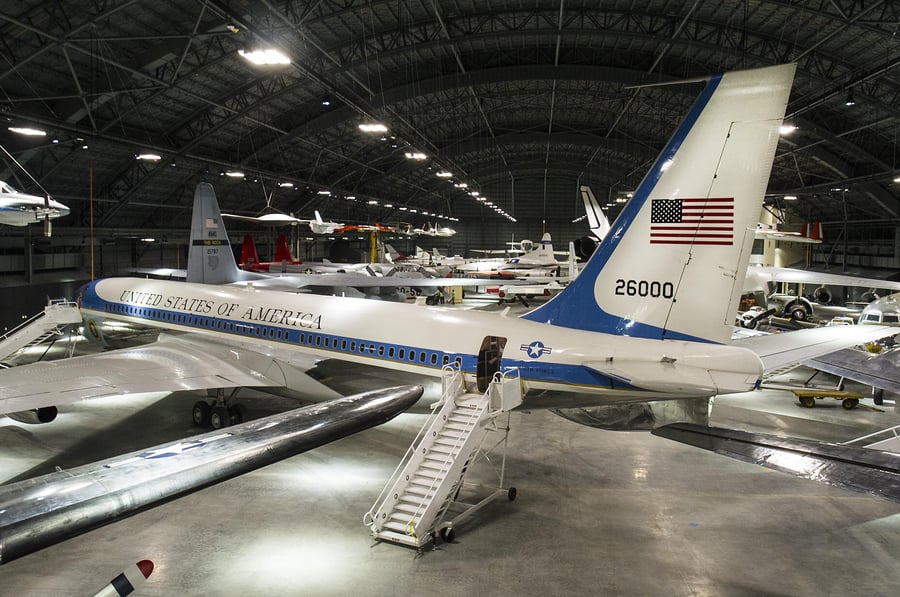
(219, 413)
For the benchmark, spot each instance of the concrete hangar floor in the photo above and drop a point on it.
(598, 512)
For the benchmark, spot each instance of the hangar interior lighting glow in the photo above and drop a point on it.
(373, 127)
(262, 57)
(148, 157)
(24, 130)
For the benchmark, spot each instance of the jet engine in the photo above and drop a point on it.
(585, 246)
(36, 416)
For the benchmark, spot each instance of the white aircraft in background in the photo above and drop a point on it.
(20, 209)
(316, 226)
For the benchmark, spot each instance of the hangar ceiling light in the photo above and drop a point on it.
(24, 130)
(262, 57)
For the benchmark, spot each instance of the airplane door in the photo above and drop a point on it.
(489, 356)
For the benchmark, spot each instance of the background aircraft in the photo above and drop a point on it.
(21, 209)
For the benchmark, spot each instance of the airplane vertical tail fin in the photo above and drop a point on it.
(673, 264)
(210, 260)
(282, 249)
(597, 220)
(249, 256)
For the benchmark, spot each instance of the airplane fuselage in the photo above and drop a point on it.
(424, 339)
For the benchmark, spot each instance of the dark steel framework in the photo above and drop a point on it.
(523, 101)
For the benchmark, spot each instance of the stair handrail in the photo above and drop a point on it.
(447, 463)
(450, 373)
(51, 304)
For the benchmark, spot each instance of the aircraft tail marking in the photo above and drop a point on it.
(210, 260)
(673, 264)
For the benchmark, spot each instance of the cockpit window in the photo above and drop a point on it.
(871, 316)
(890, 318)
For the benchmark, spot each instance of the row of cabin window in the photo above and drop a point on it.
(313, 339)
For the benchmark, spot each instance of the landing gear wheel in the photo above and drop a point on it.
(849, 403)
(448, 534)
(878, 396)
(200, 413)
(512, 494)
(219, 417)
(808, 401)
(237, 414)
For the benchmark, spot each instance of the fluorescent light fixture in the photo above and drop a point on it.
(235, 174)
(286, 185)
(149, 239)
(897, 179)
(411, 210)
(444, 174)
(474, 193)
(372, 127)
(415, 155)
(389, 205)
(790, 197)
(265, 57)
(461, 185)
(24, 130)
(403, 209)
(373, 202)
(324, 192)
(149, 157)
(351, 197)
(787, 129)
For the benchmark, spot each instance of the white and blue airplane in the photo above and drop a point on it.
(649, 318)
(20, 209)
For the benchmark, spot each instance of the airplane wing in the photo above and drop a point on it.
(353, 280)
(173, 363)
(48, 509)
(275, 219)
(876, 370)
(778, 351)
(862, 469)
(799, 276)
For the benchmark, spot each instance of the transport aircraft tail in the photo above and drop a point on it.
(210, 260)
(282, 249)
(248, 251)
(597, 220)
(673, 264)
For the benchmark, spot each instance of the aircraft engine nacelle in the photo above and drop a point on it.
(639, 416)
(585, 247)
(36, 416)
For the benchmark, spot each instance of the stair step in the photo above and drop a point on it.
(436, 465)
(396, 526)
(422, 491)
(411, 508)
(415, 500)
(401, 538)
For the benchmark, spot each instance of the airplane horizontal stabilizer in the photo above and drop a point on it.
(90, 496)
(862, 469)
(877, 370)
(777, 351)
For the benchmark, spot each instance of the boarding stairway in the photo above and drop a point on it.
(414, 505)
(47, 324)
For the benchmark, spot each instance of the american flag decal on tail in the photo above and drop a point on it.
(692, 221)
